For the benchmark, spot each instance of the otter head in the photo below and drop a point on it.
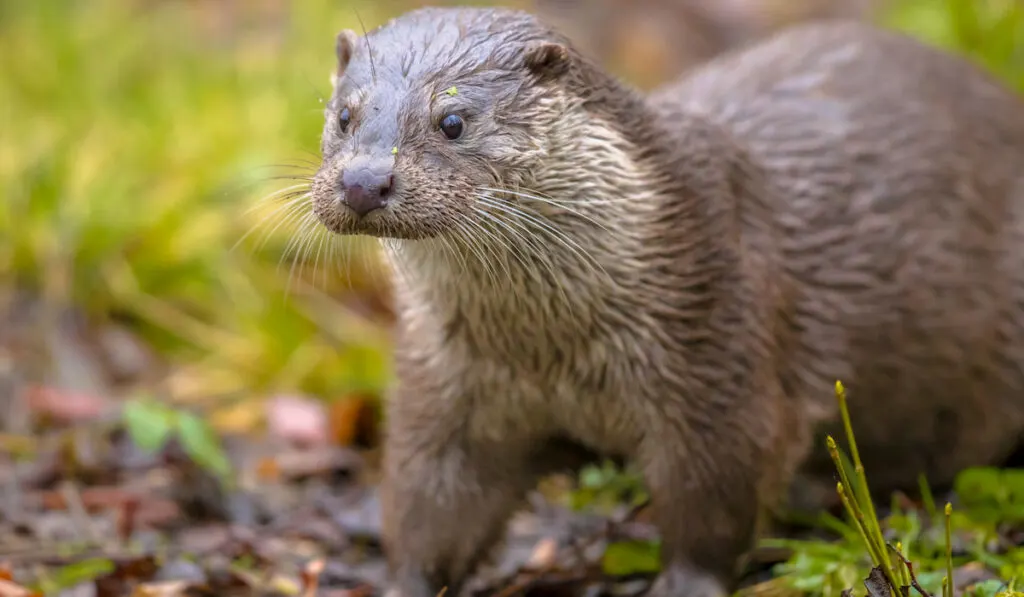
(431, 110)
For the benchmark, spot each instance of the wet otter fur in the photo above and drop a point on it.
(676, 278)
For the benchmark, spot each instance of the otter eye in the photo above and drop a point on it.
(451, 126)
(343, 119)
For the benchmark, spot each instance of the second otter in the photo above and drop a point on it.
(677, 278)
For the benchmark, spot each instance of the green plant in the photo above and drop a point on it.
(152, 424)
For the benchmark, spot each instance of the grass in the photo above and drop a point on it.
(912, 549)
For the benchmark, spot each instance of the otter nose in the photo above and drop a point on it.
(367, 187)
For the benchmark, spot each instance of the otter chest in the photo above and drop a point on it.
(583, 391)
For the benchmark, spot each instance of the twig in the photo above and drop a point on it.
(910, 568)
(947, 588)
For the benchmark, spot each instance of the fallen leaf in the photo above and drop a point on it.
(297, 419)
(146, 510)
(139, 569)
(149, 423)
(876, 583)
(203, 445)
(267, 470)
(299, 464)
(311, 577)
(543, 554)
(170, 588)
(65, 406)
(10, 589)
(82, 571)
(352, 421)
(631, 557)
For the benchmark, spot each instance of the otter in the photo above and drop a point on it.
(675, 278)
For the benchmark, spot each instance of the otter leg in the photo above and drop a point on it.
(704, 475)
(446, 499)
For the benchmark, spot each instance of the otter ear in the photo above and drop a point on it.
(344, 46)
(548, 59)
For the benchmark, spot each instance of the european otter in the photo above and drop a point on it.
(677, 278)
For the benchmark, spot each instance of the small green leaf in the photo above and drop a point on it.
(986, 588)
(452, 91)
(394, 151)
(631, 557)
(148, 423)
(82, 571)
(202, 445)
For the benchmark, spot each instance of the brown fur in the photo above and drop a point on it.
(679, 278)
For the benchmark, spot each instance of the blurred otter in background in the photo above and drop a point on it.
(653, 41)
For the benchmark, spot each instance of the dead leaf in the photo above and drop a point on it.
(10, 589)
(267, 470)
(171, 588)
(876, 583)
(127, 573)
(543, 555)
(311, 577)
(146, 511)
(348, 419)
(325, 460)
(65, 406)
(297, 419)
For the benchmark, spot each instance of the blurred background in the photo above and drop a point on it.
(155, 278)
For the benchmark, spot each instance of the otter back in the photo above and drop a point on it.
(902, 205)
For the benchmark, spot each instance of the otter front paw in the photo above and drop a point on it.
(410, 585)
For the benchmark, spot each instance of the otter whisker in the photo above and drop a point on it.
(298, 238)
(583, 201)
(316, 260)
(287, 210)
(480, 250)
(451, 245)
(498, 249)
(532, 250)
(517, 236)
(311, 253)
(502, 249)
(525, 245)
(442, 246)
(549, 201)
(542, 226)
(306, 232)
(285, 195)
(348, 260)
(537, 252)
(332, 259)
(290, 211)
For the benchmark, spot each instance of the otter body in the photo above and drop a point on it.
(679, 278)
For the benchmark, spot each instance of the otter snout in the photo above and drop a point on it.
(366, 185)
